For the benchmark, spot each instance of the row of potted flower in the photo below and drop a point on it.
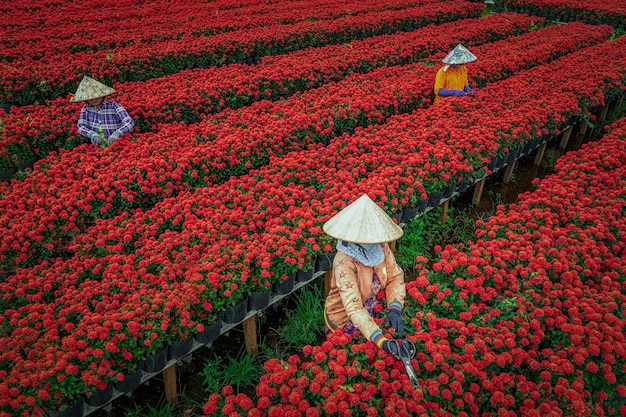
(173, 160)
(595, 11)
(55, 29)
(24, 82)
(33, 131)
(221, 245)
(526, 319)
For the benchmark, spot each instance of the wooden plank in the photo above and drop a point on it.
(509, 171)
(250, 335)
(443, 216)
(565, 138)
(169, 379)
(540, 152)
(478, 191)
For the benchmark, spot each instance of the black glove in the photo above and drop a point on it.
(394, 319)
(391, 348)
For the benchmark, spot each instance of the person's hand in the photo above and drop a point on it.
(95, 138)
(469, 90)
(459, 93)
(114, 136)
(391, 348)
(394, 319)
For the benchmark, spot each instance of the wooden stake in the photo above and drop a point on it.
(169, 378)
(478, 191)
(328, 276)
(249, 332)
(605, 109)
(443, 216)
(565, 138)
(509, 171)
(583, 128)
(540, 152)
(620, 101)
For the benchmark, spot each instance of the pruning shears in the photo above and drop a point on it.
(405, 351)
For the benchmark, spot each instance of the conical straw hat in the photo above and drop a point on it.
(89, 89)
(362, 221)
(459, 55)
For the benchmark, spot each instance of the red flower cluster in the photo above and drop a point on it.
(173, 160)
(187, 96)
(139, 280)
(50, 76)
(593, 11)
(547, 340)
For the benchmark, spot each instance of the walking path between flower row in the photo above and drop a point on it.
(173, 160)
(190, 270)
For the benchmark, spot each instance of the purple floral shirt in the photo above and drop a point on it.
(111, 116)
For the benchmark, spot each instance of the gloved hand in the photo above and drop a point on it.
(114, 136)
(394, 319)
(446, 93)
(95, 138)
(469, 90)
(389, 347)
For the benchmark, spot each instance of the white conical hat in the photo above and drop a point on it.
(89, 89)
(363, 221)
(459, 55)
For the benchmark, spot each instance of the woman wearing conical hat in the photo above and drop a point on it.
(363, 266)
(101, 121)
(451, 79)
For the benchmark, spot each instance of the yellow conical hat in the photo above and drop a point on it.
(363, 221)
(89, 89)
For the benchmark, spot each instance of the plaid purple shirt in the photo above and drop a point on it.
(111, 116)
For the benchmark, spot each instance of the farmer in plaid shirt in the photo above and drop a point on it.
(100, 120)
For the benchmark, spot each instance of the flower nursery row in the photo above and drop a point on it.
(595, 11)
(33, 131)
(41, 214)
(102, 29)
(26, 81)
(526, 320)
(94, 312)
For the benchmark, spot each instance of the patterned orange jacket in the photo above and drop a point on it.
(351, 284)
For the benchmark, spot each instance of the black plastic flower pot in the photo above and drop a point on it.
(235, 314)
(324, 261)
(180, 348)
(130, 382)
(259, 301)
(75, 410)
(284, 286)
(304, 275)
(100, 397)
(409, 214)
(156, 363)
(210, 332)
(434, 199)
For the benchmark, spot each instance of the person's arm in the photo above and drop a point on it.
(347, 283)
(127, 121)
(83, 125)
(440, 81)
